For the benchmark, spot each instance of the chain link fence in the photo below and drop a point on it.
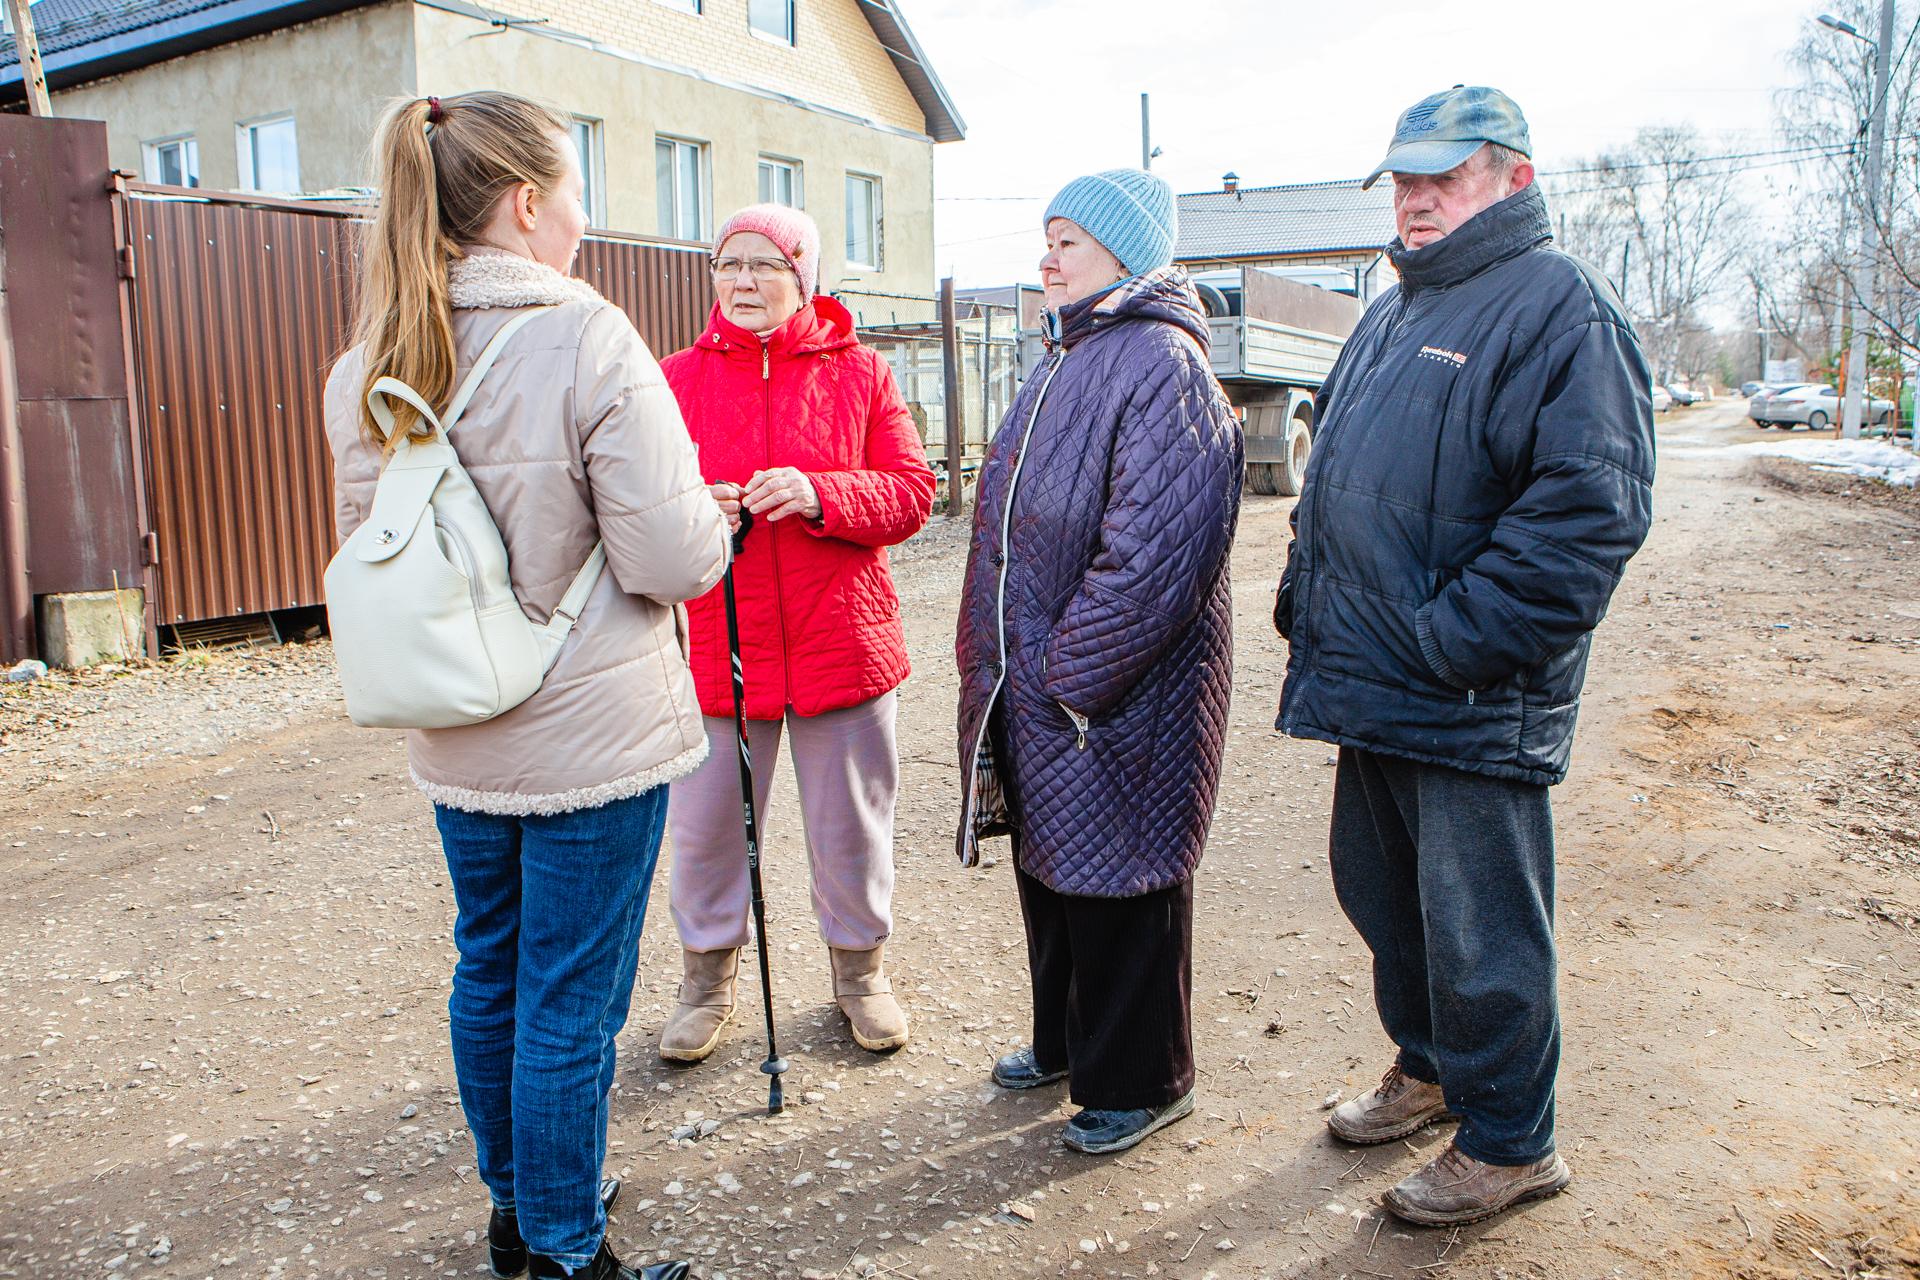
(912, 335)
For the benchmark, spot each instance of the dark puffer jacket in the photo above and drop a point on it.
(1482, 472)
(1097, 606)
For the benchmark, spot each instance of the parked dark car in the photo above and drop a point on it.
(1749, 388)
(1682, 394)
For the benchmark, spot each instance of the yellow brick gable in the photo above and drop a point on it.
(836, 60)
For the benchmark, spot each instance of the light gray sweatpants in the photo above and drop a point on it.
(848, 772)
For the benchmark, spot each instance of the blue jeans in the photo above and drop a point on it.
(550, 909)
(1448, 876)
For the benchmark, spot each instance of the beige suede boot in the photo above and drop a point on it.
(706, 1005)
(864, 994)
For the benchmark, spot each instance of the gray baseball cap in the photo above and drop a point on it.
(1440, 131)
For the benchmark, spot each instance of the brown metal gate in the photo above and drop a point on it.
(239, 310)
(241, 305)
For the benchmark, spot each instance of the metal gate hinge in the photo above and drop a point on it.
(150, 545)
(126, 262)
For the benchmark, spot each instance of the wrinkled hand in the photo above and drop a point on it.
(728, 497)
(779, 492)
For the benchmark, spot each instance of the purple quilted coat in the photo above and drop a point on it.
(1097, 610)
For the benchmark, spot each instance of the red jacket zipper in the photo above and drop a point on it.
(773, 530)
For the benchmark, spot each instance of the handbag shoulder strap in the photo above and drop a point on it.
(384, 389)
(484, 362)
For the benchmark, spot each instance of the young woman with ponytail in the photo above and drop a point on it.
(550, 815)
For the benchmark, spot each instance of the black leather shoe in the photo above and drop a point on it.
(1021, 1070)
(1099, 1132)
(507, 1252)
(605, 1266)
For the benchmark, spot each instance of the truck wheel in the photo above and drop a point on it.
(1264, 478)
(1292, 474)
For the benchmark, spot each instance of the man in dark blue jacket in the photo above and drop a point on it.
(1481, 473)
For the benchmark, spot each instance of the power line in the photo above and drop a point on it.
(1803, 149)
(1810, 150)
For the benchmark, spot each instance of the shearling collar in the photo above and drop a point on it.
(494, 278)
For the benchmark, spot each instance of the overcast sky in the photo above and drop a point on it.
(1287, 91)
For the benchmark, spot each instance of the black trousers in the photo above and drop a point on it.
(1448, 876)
(1112, 992)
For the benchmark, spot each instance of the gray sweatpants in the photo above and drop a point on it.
(848, 771)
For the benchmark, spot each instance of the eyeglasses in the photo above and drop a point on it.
(762, 269)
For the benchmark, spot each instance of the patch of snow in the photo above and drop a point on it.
(1868, 459)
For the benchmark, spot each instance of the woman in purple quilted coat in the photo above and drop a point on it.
(1095, 650)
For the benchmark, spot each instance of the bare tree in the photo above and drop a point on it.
(1660, 218)
(1824, 118)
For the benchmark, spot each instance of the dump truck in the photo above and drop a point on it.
(1272, 341)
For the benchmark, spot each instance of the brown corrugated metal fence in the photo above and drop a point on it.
(241, 306)
(664, 288)
(239, 311)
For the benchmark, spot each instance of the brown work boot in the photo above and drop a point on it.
(1454, 1188)
(1397, 1106)
(861, 989)
(706, 1005)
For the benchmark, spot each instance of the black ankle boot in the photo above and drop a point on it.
(605, 1266)
(507, 1252)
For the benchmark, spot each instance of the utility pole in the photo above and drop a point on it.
(1146, 135)
(32, 75)
(1853, 411)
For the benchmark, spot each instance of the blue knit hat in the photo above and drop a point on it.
(1129, 211)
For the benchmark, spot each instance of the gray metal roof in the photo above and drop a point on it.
(67, 24)
(83, 40)
(1308, 217)
(890, 26)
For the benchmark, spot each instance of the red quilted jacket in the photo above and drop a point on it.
(819, 620)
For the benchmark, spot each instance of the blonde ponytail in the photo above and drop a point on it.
(441, 166)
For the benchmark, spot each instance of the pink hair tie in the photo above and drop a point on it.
(434, 113)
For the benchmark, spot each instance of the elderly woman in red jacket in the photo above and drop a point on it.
(804, 427)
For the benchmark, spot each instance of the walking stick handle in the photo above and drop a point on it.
(740, 534)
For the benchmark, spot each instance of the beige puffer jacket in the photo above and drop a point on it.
(573, 436)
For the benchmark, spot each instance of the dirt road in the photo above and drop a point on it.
(223, 979)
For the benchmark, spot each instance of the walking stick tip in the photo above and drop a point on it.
(775, 1068)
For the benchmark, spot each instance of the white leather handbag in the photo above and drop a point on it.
(427, 633)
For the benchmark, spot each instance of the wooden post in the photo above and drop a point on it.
(33, 76)
(956, 412)
(16, 592)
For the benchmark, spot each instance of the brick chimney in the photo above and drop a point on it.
(1230, 183)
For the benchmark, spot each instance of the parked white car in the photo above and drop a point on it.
(1662, 399)
(1815, 403)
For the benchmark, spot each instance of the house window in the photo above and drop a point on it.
(772, 19)
(269, 156)
(864, 222)
(680, 174)
(780, 182)
(684, 6)
(174, 162)
(593, 196)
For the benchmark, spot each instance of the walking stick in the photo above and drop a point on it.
(775, 1065)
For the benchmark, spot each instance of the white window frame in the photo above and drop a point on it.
(189, 145)
(593, 166)
(705, 150)
(877, 226)
(243, 145)
(684, 6)
(794, 168)
(791, 39)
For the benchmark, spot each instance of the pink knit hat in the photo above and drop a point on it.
(796, 234)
